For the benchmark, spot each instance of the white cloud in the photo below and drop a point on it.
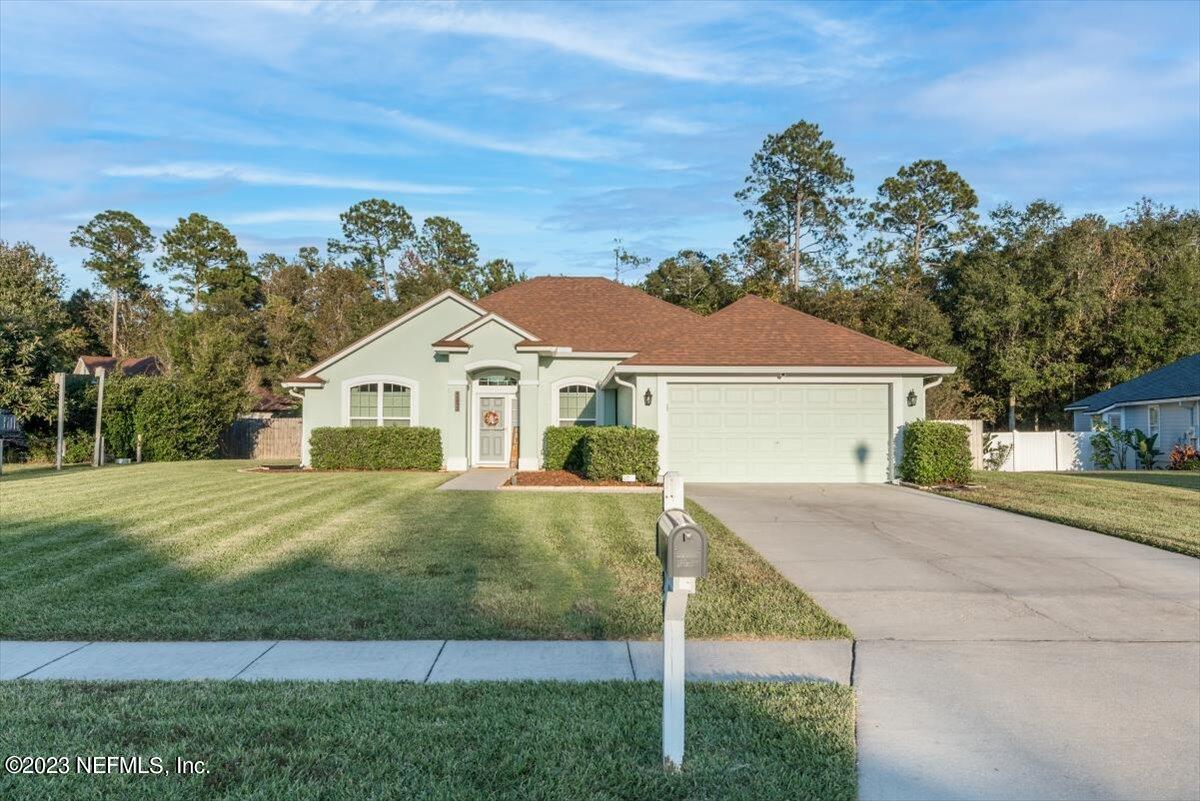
(571, 144)
(318, 214)
(1073, 92)
(207, 171)
(676, 126)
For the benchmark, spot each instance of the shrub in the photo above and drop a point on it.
(178, 419)
(77, 449)
(1110, 447)
(389, 448)
(1184, 457)
(936, 453)
(562, 448)
(610, 452)
(995, 454)
(1146, 449)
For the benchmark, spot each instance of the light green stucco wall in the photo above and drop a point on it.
(404, 352)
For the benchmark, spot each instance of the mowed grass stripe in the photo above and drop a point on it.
(200, 551)
(152, 510)
(128, 554)
(193, 514)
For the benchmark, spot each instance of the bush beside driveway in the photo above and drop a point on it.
(1158, 508)
(201, 551)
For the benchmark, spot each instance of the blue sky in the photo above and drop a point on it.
(548, 130)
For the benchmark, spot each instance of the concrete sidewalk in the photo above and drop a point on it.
(425, 660)
(479, 479)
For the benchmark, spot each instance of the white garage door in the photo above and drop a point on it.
(785, 432)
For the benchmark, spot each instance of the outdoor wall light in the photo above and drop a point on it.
(912, 397)
(648, 398)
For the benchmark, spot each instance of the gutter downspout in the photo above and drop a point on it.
(936, 381)
(632, 397)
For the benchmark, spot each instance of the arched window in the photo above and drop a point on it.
(577, 405)
(497, 380)
(380, 403)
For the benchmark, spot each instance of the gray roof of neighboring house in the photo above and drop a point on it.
(1179, 379)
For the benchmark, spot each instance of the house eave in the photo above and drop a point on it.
(1147, 402)
(668, 369)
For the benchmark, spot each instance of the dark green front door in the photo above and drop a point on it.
(492, 427)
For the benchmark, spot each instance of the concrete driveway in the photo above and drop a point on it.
(998, 656)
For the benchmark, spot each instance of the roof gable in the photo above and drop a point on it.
(448, 295)
(1179, 379)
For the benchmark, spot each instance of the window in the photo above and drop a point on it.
(379, 403)
(577, 405)
(497, 380)
(1115, 419)
(1096, 421)
(1152, 420)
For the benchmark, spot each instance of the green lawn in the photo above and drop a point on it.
(1157, 508)
(202, 551)
(367, 740)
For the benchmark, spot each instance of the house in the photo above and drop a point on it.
(267, 405)
(754, 392)
(143, 366)
(1165, 401)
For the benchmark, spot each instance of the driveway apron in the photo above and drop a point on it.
(998, 656)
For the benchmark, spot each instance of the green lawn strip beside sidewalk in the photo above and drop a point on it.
(1156, 508)
(201, 551)
(366, 740)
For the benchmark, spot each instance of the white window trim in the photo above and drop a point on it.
(511, 412)
(414, 405)
(557, 386)
(1153, 428)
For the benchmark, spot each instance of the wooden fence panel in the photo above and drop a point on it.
(262, 438)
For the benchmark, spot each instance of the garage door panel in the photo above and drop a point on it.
(747, 432)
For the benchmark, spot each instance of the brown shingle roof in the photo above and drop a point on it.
(452, 343)
(761, 333)
(143, 365)
(588, 314)
(270, 402)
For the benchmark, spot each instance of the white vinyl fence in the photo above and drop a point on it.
(1034, 450)
(1046, 450)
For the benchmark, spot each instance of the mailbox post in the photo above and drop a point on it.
(682, 547)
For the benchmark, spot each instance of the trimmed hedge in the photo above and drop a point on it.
(602, 453)
(388, 448)
(562, 448)
(936, 453)
(610, 452)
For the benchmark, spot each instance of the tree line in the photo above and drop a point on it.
(1035, 309)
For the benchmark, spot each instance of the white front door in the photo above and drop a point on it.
(492, 428)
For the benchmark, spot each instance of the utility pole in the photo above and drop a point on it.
(61, 378)
(97, 454)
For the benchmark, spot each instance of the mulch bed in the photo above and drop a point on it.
(564, 478)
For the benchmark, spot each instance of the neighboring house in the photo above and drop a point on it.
(1165, 401)
(754, 392)
(269, 405)
(144, 365)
